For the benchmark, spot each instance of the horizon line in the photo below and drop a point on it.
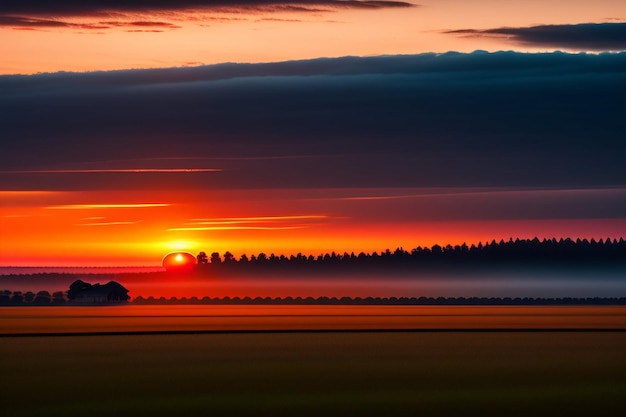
(619, 240)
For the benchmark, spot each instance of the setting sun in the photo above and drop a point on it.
(179, 261)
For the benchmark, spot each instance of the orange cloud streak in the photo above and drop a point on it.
(107, 223)
(105, 206)
(125, 171)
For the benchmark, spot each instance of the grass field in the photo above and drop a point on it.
(316, 374)
(181, 318)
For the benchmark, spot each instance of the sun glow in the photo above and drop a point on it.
(179, 262)
(181, 245)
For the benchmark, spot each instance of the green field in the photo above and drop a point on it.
(424, 373)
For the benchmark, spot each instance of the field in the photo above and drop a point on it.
(407, 361)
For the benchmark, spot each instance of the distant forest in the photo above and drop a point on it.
(382, 301)
(41, 298)
(529, 252)
(591, 257)
(60, 298)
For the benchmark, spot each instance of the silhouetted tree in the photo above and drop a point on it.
(17, 297)
(58, 297)
(202, 258)
(215, 258)
(76, 288)
(42, 298)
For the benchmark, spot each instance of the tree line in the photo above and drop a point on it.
(8, 297)
(518, 250)
(380, 301)
(45, 298)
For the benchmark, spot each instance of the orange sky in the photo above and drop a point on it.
(214, 35)
(138, 228)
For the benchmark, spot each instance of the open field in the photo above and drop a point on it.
(313, 360)
(442, 373)
(185, 318)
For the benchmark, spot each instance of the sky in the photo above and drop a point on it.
(132, 129)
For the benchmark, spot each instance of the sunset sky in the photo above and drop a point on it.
(130, 129)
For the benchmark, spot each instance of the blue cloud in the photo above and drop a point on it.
(453, 119)
(583, 36)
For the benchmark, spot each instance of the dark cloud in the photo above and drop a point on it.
(369, 4)
(27, 22)
(480, 119)
(273, 19)
(151, 24)
(584, 36)
(38, 14)
(79, 7)
(37, 23)
(144, 30)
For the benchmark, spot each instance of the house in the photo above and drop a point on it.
(112, 292)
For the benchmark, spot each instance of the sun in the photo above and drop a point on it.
(179, 262)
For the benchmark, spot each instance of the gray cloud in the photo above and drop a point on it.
(480, 119)
(584, 36)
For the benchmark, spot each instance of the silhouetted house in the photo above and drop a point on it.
(112, 292)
